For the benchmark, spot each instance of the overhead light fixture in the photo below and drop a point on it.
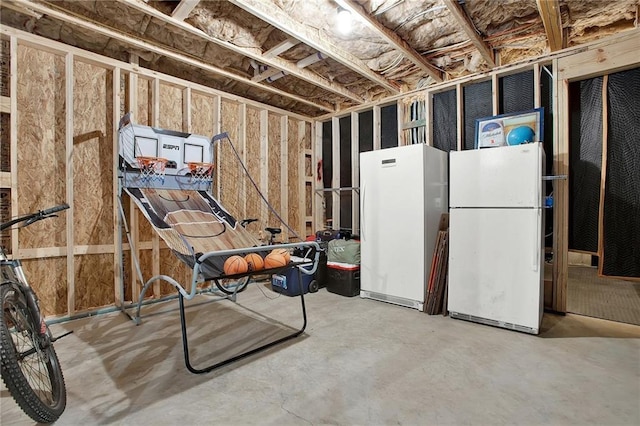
(344, 21)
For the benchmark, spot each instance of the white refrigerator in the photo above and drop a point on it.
(403, 192)
(496, 258)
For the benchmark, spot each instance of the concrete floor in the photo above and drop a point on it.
(359, 362)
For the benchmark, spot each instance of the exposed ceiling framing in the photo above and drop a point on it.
(289, 53)
(271, 61)
(392, 38)
(469, 28)
(184, 8)
(552, 20)
(279, 19)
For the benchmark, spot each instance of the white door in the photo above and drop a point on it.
(392, 222)
(495, 264)
(509, 176)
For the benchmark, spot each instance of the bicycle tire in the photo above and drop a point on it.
(232, 286)
(35, 381)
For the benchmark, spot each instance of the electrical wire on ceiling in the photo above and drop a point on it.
(417, 15)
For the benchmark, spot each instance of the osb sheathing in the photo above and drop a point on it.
(254, 202)
(5, 143)
(171, 266)
(142, 111)
(230, 178)
(93, 281)
(202, 114)
(307, 135)
(41, 151)
(309, 196)
(274, 192)
(48, 278)
(293, 175)
(5, 216)
(146, 266)
(92, 155)
(170, 114)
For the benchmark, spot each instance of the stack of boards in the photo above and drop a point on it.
(437, 285)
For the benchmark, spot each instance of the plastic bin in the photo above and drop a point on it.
(289, 283)
(343, 279)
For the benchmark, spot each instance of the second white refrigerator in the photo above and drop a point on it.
(496, 258)
(403, 192)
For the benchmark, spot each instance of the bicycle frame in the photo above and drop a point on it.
(11, 270)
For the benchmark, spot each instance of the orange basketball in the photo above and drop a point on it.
(284, 252)
(235, 265)
(274, 260)
(254, 261)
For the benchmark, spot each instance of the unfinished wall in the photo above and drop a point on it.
(254, 202)
(294, 153)
(73, 262)
(274, 168)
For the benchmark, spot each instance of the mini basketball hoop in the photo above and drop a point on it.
(201, 172)
(152, 167)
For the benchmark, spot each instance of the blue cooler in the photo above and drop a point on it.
(289, 283)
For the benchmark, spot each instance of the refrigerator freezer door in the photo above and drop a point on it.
(496, 267)
(509, 176)
(393, 223)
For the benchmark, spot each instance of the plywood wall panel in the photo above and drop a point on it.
(202, 108)
(171, 266)
(41, 148)
(293, 171)
(92, 155)
(93, 281)
(170, 107)
(48, 278)
(254, 202)
(230, 177)
(142, 111)
(275, 168)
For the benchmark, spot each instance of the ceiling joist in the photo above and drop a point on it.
(256, 54)
(392, 38)
(22, 5)
(183, 9)
(465, 23)
(552, 19)
(281, 47)
(278, 18)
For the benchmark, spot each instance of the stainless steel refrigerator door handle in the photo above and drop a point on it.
(537, 241)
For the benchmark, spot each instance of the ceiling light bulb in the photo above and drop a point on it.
(344, 21)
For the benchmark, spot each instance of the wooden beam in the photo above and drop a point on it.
(283, 21)
(392, 38)
(377, 128)
(318, 195)
(5, 104)
(71, 273)
(118, 259)
(552, 20)
(603, 171)
(53, 13)
(284, 175)
(253, 53)
(465, 22)
(183, 9)
(13, 136)
(280, 48)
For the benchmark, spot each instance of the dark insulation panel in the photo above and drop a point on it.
(327, 165)
(622, 185)
(345, 171)
(476, 104)
(365, 131)
(585, 163)
(389, 126)
(516, 92)
(445, 120)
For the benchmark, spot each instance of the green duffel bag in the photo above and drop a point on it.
(344, 251)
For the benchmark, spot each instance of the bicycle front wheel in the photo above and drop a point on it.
(30, 366)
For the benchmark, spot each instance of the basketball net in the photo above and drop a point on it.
(201, 172)
(151, 168)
